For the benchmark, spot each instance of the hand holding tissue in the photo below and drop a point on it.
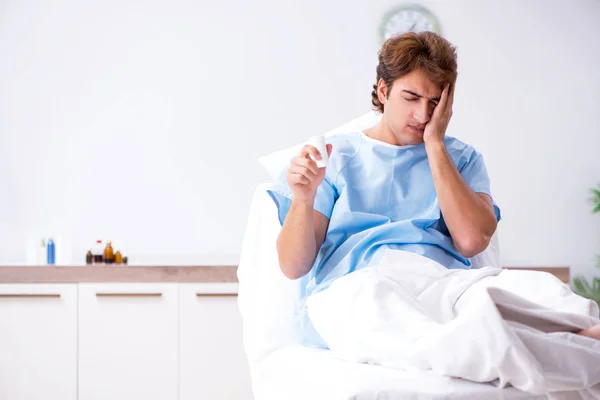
(307, 170)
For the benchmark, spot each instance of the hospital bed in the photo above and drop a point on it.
(281, 369)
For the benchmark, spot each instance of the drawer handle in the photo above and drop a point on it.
(215, 294)
(30, 295)
(128, 294)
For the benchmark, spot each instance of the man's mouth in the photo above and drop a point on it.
(416, 129)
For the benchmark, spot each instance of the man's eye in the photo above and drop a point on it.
(412, 98)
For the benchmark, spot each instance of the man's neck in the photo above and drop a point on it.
(383, 133)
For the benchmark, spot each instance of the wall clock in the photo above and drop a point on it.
(407, 18)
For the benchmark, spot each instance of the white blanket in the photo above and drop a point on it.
(512, 327)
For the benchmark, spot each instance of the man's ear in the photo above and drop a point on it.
(382, 91)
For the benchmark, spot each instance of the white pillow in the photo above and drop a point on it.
(275, 162)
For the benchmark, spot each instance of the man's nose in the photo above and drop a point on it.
(422, 114)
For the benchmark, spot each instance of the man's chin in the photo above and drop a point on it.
(411, 139)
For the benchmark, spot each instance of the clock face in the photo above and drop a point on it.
(407, 18)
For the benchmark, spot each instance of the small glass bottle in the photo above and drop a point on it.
(98, 252)
(109, 255)
(118, 258)
(89, 257)
(125, 258)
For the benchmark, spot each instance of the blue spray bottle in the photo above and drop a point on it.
(51, 252)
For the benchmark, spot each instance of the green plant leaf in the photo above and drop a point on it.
(579, 287)
(583, 288)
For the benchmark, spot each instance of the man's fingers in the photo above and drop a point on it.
(299, 179)
(450, 100)
(444, 98)
(302, 170)
(308, 149)
(306, 163)
(329, 149)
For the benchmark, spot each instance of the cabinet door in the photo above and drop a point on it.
(128, 341)
(38, 341)
(212, 360)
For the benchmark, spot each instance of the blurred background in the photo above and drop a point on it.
(142, 121)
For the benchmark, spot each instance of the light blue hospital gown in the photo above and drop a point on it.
(377, 195)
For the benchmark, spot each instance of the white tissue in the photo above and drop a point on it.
(318, 142)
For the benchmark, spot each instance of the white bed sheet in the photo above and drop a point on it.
(305, 373)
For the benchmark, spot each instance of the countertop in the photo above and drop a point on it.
(118, 273)
(155, 274)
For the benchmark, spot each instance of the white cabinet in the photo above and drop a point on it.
(128, 341)
(212, 360)
(38, 341)
(98, 341)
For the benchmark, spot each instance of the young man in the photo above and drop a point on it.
(401, 187)
(402, 183)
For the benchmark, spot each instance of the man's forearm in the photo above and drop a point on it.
(296, 244)
(468, 217)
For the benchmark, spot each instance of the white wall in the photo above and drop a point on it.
(529, 99)
(141, 121)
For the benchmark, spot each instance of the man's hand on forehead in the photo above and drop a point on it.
(435, 130)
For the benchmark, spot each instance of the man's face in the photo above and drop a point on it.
(409, 106)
